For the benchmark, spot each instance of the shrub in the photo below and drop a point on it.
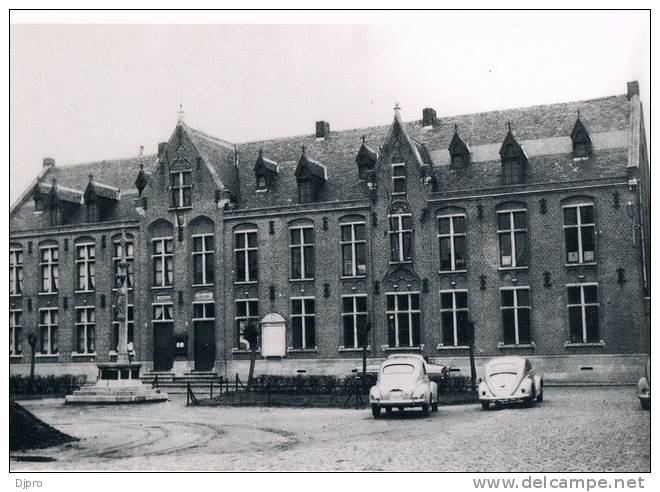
(46, 385)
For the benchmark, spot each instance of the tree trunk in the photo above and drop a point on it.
(253, 359)
(32, 341)
(364, 367)
(473, 368)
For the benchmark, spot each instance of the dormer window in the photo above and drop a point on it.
(311, 176)
(305, 191)
(514, 160)
(581, 140)
(459, 151)
(261, 182)
(265, 172)
(398, 178)
(181, 189)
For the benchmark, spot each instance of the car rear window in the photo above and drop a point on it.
(503, 369)
(398, 369)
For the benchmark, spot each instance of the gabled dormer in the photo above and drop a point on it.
(514, 160)
(365, 160)
(265, 172)
(100, 200)
(581, 140)
(311, 176)
(59, 202)
(458, 151)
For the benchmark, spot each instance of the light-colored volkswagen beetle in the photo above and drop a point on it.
(510, 379)
(403, 382)
(644, 387)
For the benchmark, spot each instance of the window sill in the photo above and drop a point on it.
(47, 356)
(161, 287)
(79, 354)
(452, 347)
(445, 272)
(16, 356)
(407, 262)
(580, 158)
(179, 209)
(502, 345)
(261, 190)
(243, 351)
(570, 265)
(202, 285)
(245, 282)
(398, 193)
(48, 293)
(113, 353)
(84, 291)
(387, 348)
(508, 269)
(301, 279)
(115, 289)
(292, 350)
(352, 277)
(352, 349)
(16, 295)
(584, 344)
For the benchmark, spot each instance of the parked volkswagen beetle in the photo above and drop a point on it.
(403, 382)
(644, 387)
(510, 379)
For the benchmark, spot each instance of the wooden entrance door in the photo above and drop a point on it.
(204, 345)
(163, 346)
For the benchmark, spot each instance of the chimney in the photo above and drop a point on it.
(141, 151)
(49, 162)
(428, 117)
(322, 129)
(633, 89)
(161, 148)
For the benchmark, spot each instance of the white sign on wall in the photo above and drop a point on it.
(273, 336)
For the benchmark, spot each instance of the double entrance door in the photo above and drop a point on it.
(203, 345)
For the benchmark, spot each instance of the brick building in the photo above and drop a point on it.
(532, 222)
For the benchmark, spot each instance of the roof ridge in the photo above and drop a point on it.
(209, 136)
(87, 163)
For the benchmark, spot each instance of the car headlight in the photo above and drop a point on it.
(374, 394)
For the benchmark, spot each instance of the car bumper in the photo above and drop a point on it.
(508, 399)
(400, 403)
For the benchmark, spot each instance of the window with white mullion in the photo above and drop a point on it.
(403, 319)
(117, 253)
(86, 266)
(580, 233)
(303, 323)
(130, 327)
(512, 234)
(203, 311)
(15, 272)
(454, 316)
(400, 238)
(181, 188)
(15, 332)
(302, 252)
(516, 316)
(583, 317)
(48, 341)
(85, 330)
(246, 312)
(202, 256)
(245, 254)
(452, 242)
(354, 318)
(162, 261)
(398, 178)
(353, 247)
(162, 312)
(49, 266)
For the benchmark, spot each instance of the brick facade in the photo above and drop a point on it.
(226, 200)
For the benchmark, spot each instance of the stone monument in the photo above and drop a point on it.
(118, 382)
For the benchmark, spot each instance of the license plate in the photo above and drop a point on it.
(396, 395)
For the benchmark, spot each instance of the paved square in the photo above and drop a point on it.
(574, 429)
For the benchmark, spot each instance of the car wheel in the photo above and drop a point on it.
(646, 403)
(485, 405)
(434, 406)
(375, 411)
(539, 397)
(388, 410)
(426, 409)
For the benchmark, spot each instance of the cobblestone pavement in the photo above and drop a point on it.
(574, 429)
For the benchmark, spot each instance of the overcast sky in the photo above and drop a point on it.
(92, 92)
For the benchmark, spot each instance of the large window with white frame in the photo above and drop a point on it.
(452, 241)
(353, 249)
(354, 317)
(247, 311)
(245, 254)
(181, 189)
(162, 261)
(403, 319)
(302, 252)
(85, 266)
(398, 178)
(130, 328)
(401, 235)
(85, 330)
(48, 339)
(454, 315)
(15, 271)
(512, 235)
(580, 233)
(50, 269)
(202, 258)
(303, 323)
(162, 312)
(583, 313)
(117, 253)
(15, 332)
(516, 316)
